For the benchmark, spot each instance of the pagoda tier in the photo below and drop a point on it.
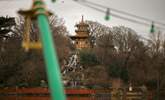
(81, 39)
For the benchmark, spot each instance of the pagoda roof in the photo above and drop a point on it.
(81, 34)
(79, 37)
(82, 23)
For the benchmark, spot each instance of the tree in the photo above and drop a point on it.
(10, 58)
(28, 68)
(88, 58)
(104, 48)
(156, 52)
(6, 23)
(120, 48)
(60, 33)
(117, 71)
(96, 30)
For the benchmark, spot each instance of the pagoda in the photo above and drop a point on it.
(81, 39)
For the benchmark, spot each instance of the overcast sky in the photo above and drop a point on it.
(71, 11)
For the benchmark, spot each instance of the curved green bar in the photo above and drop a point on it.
(50, 55)
(53, 70)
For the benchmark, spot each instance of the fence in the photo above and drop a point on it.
(72, 94)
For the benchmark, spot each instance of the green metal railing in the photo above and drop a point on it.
(52, 66)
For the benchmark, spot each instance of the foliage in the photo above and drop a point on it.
(88, 58)
(118, 52)
(140, 59)
(96, 30)
(116, 70)
(6, 24)
(27, 68)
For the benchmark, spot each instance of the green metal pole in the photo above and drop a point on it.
(50, 55)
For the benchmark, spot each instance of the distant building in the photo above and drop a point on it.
(81, 39)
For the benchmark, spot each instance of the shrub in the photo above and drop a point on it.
(87, 57)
